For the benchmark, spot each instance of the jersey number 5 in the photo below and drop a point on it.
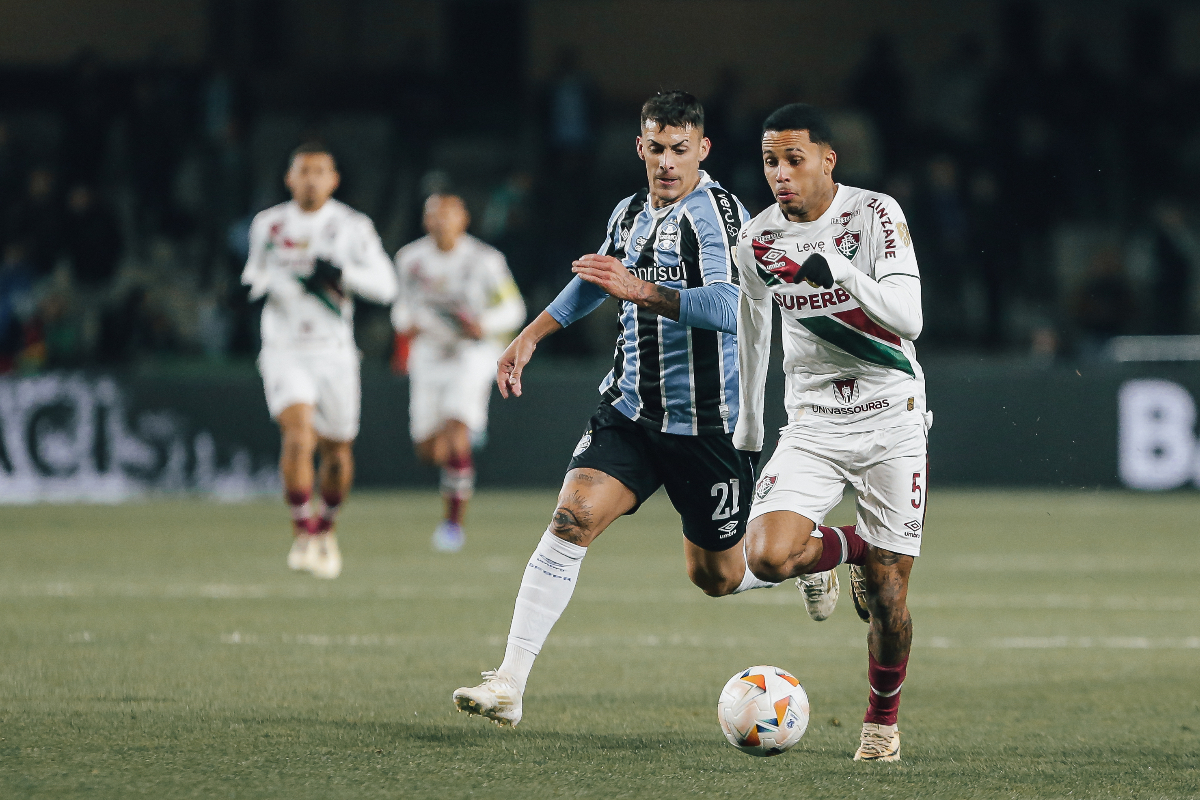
(728, 504)
(919, 496)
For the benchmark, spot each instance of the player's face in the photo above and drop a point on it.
(312, 179)
(446, 219)
(672, 157)
(800, 173)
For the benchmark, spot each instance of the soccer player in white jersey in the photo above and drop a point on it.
(668, 406)
(308, 258)
(839, 263)
(460, 307)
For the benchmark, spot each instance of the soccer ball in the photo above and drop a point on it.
(763, 711)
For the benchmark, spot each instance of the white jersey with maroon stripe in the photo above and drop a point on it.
(844, 370)
(284, 242)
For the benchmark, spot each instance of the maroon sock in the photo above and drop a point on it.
(884, 702)
(458, 483)
(330, 503)
(297, 500)
(832, 551)
(454, 510)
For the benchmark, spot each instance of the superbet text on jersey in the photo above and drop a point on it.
(844, 371)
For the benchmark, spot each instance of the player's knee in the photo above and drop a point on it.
(299, 442)
(571, 524)
(888, 605)
(767, 561)
(713, 584)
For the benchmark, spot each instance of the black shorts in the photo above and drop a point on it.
(710, 482)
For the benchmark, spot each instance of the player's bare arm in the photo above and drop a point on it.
(514, 358)
(612, 276)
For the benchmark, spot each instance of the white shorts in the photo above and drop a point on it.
(888, 469)
(458, 389)
(328, 380)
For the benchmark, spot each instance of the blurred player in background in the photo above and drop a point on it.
(458, 307)
(839, 263)
(308, 257)
(669, 405)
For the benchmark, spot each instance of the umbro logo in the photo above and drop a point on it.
(727, 530)
(771, 256)
(913, 526)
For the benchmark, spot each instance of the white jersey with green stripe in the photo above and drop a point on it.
(849, 361)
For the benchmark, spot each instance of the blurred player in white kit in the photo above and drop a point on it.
(459, 307)
(308, 257)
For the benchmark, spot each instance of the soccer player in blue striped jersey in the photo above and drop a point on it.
(670, 404)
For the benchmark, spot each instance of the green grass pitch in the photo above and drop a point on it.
(163, 650)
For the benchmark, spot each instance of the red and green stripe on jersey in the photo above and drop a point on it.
(850, 330)
(860, 336)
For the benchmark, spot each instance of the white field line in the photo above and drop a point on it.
(727, 642)
(782, 596)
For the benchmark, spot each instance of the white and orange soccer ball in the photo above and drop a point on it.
(763, 711)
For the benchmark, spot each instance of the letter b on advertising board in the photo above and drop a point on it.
(1158, 448)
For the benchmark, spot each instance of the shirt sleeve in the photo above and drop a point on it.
(713, 307)
(754, 352)
(717, 218)
(366, 269)
(403, 313)
(891, 240)
(580, 298)
(893, 301)
(577, 299)
(505, 310)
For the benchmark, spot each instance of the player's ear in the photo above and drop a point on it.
(641, 153)
(830, 161)
(705, 147)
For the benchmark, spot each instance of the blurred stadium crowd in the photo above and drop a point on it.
(1052, 196)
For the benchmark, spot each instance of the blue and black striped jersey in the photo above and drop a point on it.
(669, 376)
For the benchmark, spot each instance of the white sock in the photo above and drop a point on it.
(517, 663)
(749, 579)
(546, 588)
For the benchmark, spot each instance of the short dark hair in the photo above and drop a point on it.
(675, 108)
(312, 147)
(800, 117)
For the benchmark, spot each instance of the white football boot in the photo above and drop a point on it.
(497, 698)
(878, 743)
(820, 590)
(858, 593)
(449, 537)
(300, 556)
(326, 560)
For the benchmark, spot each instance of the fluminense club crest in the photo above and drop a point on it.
(846, 390)
(847, 243)
(765, 484)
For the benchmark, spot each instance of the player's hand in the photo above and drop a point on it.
(610, 275)
(815, 270)
(512, 363)
(325, 283)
